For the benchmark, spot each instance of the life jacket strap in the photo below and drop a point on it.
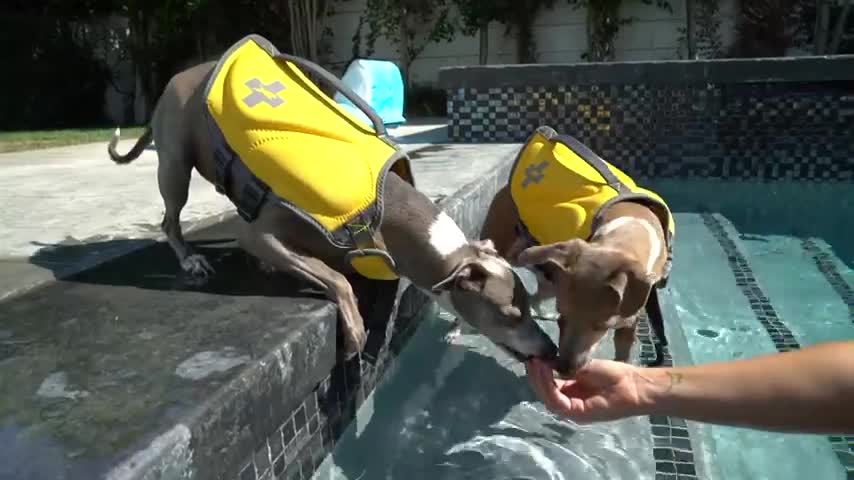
(251, 197)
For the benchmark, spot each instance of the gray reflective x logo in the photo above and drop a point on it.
(534, 173)
(258, 96)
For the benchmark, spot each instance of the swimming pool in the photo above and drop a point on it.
(759, 268)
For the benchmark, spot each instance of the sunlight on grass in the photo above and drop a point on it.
(33, 140)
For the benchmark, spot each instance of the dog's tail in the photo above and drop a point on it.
(135, 152)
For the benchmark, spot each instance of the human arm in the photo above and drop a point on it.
(809, 390)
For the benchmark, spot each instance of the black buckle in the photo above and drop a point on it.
(251, 197)
(361, 225)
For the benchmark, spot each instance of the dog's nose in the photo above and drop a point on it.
(550, 355)
(565, 369)
(568, 366)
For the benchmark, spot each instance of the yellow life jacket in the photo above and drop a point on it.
(559, 187)
(279, 135)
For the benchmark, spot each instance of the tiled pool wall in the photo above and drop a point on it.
(769, 207)
(293, 445)
(759, 119)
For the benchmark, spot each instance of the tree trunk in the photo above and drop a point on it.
(524, 53)
(140, 103)
(483, 45)
(840, 28)
(198, 36)
(589, 29)
(689, 27)
(143, 67)
(822, 21)
(406, 57)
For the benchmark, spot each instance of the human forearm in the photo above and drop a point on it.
(807, 390)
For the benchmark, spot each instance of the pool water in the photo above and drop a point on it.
(758, 268)
(464, 411)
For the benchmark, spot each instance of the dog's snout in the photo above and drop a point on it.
(565, 368)
(530, 341)
(568, 366)
(550, 351)
(543, 347)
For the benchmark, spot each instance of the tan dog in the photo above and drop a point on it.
(420, 241)
(601, 279)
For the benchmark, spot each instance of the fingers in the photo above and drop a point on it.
(548, 390)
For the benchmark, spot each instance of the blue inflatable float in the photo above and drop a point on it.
(378, 82)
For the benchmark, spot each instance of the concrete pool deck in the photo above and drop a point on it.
(65, 209)
(123, 362)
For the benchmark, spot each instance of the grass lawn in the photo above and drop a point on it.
(33, 140)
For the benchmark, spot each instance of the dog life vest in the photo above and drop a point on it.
(560, 188)
(277, 135)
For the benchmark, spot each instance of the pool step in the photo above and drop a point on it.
(811, 290)
(727, 313)
(805, 282)
(714, 314)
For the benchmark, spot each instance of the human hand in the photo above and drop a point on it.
(602, 390)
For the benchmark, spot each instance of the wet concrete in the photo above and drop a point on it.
(39, 243)
(128, 362)
(94, 367)
(70, 208)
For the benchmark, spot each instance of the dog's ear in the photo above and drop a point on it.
(553, 258)
(561, 254)
(470, 275)
(630, 287)
(485, 246)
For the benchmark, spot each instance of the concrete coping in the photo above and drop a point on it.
(194, 382)
(755, 70)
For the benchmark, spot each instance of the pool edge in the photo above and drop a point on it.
(339, 395)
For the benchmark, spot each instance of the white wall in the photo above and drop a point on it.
(560, 36)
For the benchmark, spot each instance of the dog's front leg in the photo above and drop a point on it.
(624, 338)
(545, 291)
(269, 249)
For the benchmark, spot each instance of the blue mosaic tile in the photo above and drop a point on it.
(248, 472)
(288, 432)
(298, 447)
(824, 262)
(757, 130)
(299, 419)
(262, 459)
(293, 472)
(672, 449)
(279, 466)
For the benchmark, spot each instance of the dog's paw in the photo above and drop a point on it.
(266, 268)
(544, 315)
(354, 344)
(453, 335)
(455, 332)
(197, 266)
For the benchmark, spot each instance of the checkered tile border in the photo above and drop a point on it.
(674, 456)
(823, 261)
(741, 131)
(783, 338)
(297, 448)
(844, 445)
